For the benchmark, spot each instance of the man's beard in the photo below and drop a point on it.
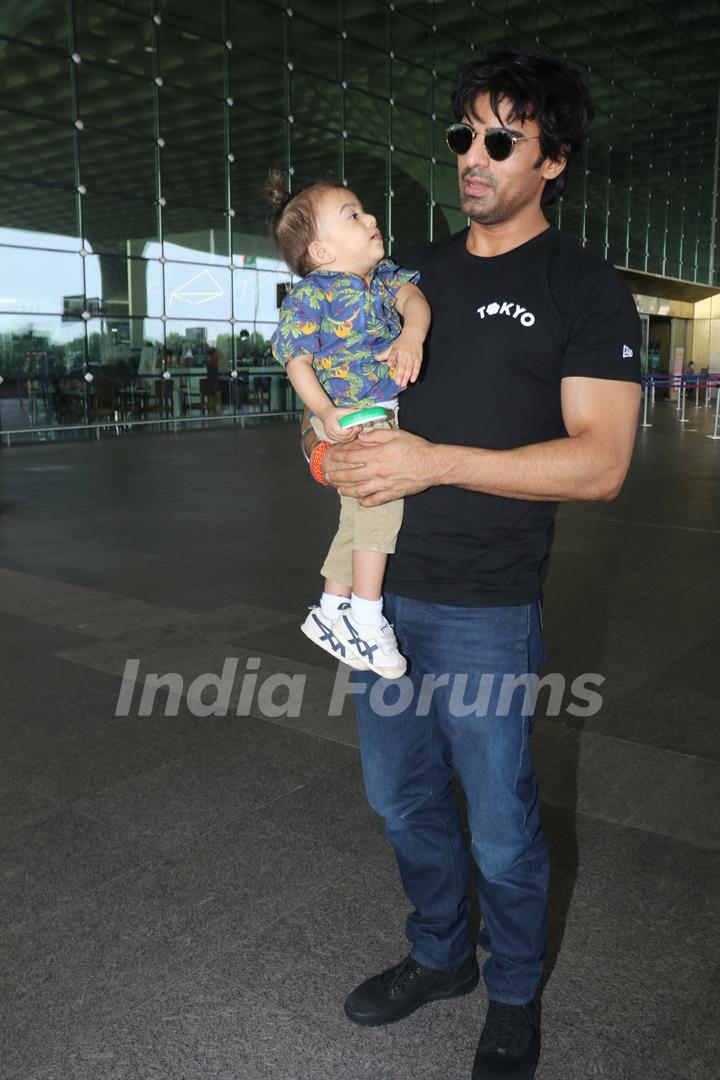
(500, 210)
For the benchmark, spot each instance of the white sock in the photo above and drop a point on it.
(329, 604)
(367, 612)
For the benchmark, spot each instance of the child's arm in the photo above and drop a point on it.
(300, 372)
(405, 353)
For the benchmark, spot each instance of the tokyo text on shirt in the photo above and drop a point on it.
(344, 324)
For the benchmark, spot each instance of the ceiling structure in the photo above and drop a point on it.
(158, 129)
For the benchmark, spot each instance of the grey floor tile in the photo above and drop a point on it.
(25, 641)
(206, 1027)
(87, 763)
(67, 975)
(669, 717)
(679, 875)
(287, 640)
(57, 858)
(686, 805)
(68, 700)
(692, 1046)
(312, 958)
(75, 607)
(200, 900)
(620, 976)
(604, 776)
(334, 811)
(190, 643)
(213, 786)
(20, 806)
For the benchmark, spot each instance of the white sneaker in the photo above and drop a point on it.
(321, 630)
(373, 648)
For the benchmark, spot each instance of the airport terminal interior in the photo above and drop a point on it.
(189, 897)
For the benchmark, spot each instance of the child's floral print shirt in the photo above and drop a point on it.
(344, 323)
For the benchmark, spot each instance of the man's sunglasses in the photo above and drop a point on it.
(499, 143)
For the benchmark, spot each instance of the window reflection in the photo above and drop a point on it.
(43, 281)
(169, 214)
(199, 292)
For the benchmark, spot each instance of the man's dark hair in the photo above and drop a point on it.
(539, 88)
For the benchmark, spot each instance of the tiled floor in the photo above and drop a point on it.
(192, 896)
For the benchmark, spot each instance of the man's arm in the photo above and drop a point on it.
(600, 416)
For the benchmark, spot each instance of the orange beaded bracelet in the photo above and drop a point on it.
(316, 462)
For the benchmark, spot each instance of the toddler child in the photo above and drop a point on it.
(351, 336)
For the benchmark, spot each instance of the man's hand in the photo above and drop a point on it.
(404, 357)
(381, 466)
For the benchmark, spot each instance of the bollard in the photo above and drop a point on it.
(682, 418)
(644, 408)
(717, 414)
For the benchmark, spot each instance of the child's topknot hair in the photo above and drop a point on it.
(294, 219)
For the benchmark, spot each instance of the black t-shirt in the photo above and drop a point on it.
(506, 330)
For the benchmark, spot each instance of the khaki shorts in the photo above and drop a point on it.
(361, 528)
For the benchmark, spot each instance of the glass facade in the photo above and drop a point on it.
(137, 278)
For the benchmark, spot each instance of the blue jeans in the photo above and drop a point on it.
(414, 734)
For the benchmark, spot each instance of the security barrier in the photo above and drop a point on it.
(685, 384)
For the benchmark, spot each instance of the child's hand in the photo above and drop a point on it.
(336, 434)
(404, 358)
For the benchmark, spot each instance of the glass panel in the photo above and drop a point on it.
(366, 68)
(192, 122)
(412, 130)
(110, 163)
(449, 56)
(202, 233)
(445, 184)
(41, 362)
(112, 100)
(257, 82)
(191, 62)
(38, 216)
(33, 280)
(197, 292)
(366, 168)
(111, 35)
(128, 288)
(206, 17)
(314, 101)
(412, 85)
(313, 154)
(198, 352)
(411, 39)
(257, 144)
(444, 90)
(110, 223)
(200, 178)
(125, 359)
(256, 29)
(34, 149)
(368, 21)
(453, 17)
(314, 47)
(38, 80)
(256, 291)
(410, 202)
(367, 117)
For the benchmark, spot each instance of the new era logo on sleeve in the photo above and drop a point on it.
(627, 351)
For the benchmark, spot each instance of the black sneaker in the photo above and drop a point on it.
(399, 991)
(509, 1046)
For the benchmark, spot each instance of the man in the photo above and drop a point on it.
(529, 395)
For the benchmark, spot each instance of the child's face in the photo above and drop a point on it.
(348, 239)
